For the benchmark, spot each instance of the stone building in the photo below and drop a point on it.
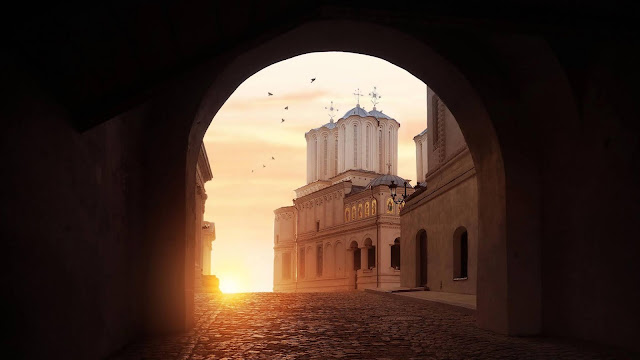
(342, 230)
(210, 282)
(439, 221)
(204, 230)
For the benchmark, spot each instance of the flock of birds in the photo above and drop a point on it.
(282, 120)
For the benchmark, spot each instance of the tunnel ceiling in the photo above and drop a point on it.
(98, 59)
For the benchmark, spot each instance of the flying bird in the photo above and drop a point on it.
(251, 170)
(272, 158)
(264, 166)
(286, 108)
(314, 79)
(282, 121)
(270, 94)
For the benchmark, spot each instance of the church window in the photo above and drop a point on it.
(359, 211)
(355, 146)
(371, 252)
(353, 212)
(335, 155)
(374, 207)
(460, 253)
(325, 156)
(367, 148)
(318, 225)
(346, 215)
(380, 157)
(395, 254)
(301, 265)
(319, 260)
(315, 160)
(357, 254)
(389, 206)
(389, 154)
(286, 266)
(366, 209)
(344, 147)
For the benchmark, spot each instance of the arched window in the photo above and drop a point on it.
(461, 253)
(366, 154)
(355, 146)
(371, 254)
(395, 254)
(335, 155)
(356, 255)
(380, 156)
(326, 157)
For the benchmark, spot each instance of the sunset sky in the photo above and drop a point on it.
(247, 132)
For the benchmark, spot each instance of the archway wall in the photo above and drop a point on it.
(557, 166)
(458, 93)
(517, 109)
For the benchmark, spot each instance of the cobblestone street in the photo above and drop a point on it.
(354, 325)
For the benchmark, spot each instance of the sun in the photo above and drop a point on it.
(229, 286)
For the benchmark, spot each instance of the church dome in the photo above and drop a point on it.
(386, 180)
(356, 111)
(379, 114)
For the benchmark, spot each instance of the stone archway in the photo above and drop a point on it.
(474, 121)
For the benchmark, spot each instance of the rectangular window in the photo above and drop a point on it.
(371, 257)
(286, 266)
(301, 265)
(318, 225)
(319, 260)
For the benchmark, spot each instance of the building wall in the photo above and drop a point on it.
(449, 203)
(445, 206)
(422, 155)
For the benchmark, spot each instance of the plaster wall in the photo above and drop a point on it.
(440, 212)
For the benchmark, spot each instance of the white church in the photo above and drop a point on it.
(343, 230)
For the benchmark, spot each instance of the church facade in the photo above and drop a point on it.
(439, 221)
(342, 231)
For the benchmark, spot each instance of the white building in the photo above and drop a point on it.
(343, 229)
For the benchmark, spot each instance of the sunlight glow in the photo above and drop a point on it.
(229, 286)
(261, 159)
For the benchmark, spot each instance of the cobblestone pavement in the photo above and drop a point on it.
(349, 325)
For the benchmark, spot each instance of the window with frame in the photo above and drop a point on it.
(461, 254)
(395, 254)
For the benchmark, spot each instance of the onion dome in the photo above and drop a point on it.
(356, 111)
(379, 114)
(386, 180)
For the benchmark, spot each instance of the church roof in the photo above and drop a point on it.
(329, 125)
(356, 111)
(386, 180)
(379, 114)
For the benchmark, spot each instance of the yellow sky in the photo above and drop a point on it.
(247, 132)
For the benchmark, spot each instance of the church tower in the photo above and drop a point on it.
(359, 140)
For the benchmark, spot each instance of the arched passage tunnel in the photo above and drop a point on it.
(116, 128)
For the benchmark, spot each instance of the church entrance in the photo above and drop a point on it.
(421, 250)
